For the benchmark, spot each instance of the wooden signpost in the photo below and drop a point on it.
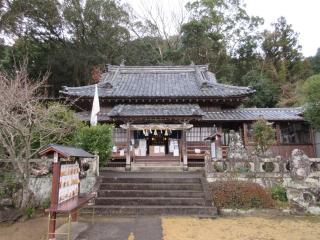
(65, 195)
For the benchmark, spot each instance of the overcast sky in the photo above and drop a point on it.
(303, 15)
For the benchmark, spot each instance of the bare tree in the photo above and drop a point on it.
(161, 23)
(26, 125)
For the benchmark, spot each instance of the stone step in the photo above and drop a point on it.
(156, 168)
(149, 193)
(111, 210)
(154, 174)
(157, 162)
(158, 201)
(151, 186)
(149, 180)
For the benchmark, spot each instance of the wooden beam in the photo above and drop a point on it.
(128, 155)
(54, 195)
(312, 133)
(184, 148)
(278, 133)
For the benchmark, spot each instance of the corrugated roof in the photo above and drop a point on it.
(159, 81)
(251, 114)
(156, 110)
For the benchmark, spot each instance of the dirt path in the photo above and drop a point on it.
(33, 229)
(182, 228)
(242, 228)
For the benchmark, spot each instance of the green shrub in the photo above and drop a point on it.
(263, 136)
(46, 203)
(9, 184)
(2, 193)
(96, 139)
(220, 166)
(30, 211)
(279, 193)
(240, 194)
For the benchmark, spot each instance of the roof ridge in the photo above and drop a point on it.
(233, 86)
(129, 69)
(257, 109)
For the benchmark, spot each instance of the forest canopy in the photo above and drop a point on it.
(75, 39)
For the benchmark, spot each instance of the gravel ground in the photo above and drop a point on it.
(178, 228)
(242, 228)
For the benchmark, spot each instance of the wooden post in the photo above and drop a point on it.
(245, 134)
(74, 216)
(128, 155)
(54, 195)
(312, 134)
(184, 148)
(278, 134)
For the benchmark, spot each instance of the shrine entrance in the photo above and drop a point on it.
(156, 143)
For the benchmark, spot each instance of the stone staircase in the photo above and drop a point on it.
(153, 193)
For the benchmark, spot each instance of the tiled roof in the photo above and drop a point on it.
(242, 114)
(156, 110)
(86, 115)
(67, 151)
(251, 114)
(159, 81)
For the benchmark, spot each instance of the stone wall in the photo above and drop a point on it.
(41, 185)
(299, 175)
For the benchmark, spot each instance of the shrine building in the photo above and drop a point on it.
(168, 114)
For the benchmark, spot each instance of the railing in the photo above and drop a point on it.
(283, 150)
(265, 166)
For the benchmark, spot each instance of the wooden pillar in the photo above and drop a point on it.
(184, 148)
(278, 134)
(128, 155)
(313, 133)
(54, 199)
(245, 134)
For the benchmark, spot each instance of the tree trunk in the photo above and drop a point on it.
(26, 198)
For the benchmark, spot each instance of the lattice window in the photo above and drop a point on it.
(119, 135)
(198, 134)
(194, 134)
(205, 132)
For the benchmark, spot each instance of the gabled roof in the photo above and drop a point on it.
(159, 81)
(66, 151)
(252, 114)
(156, 110)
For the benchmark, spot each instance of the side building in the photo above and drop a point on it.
(165, 113)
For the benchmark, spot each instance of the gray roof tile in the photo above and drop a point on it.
(251, 114)
(67, 151)
(241, 114)
(156, 110)
(159, 81)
